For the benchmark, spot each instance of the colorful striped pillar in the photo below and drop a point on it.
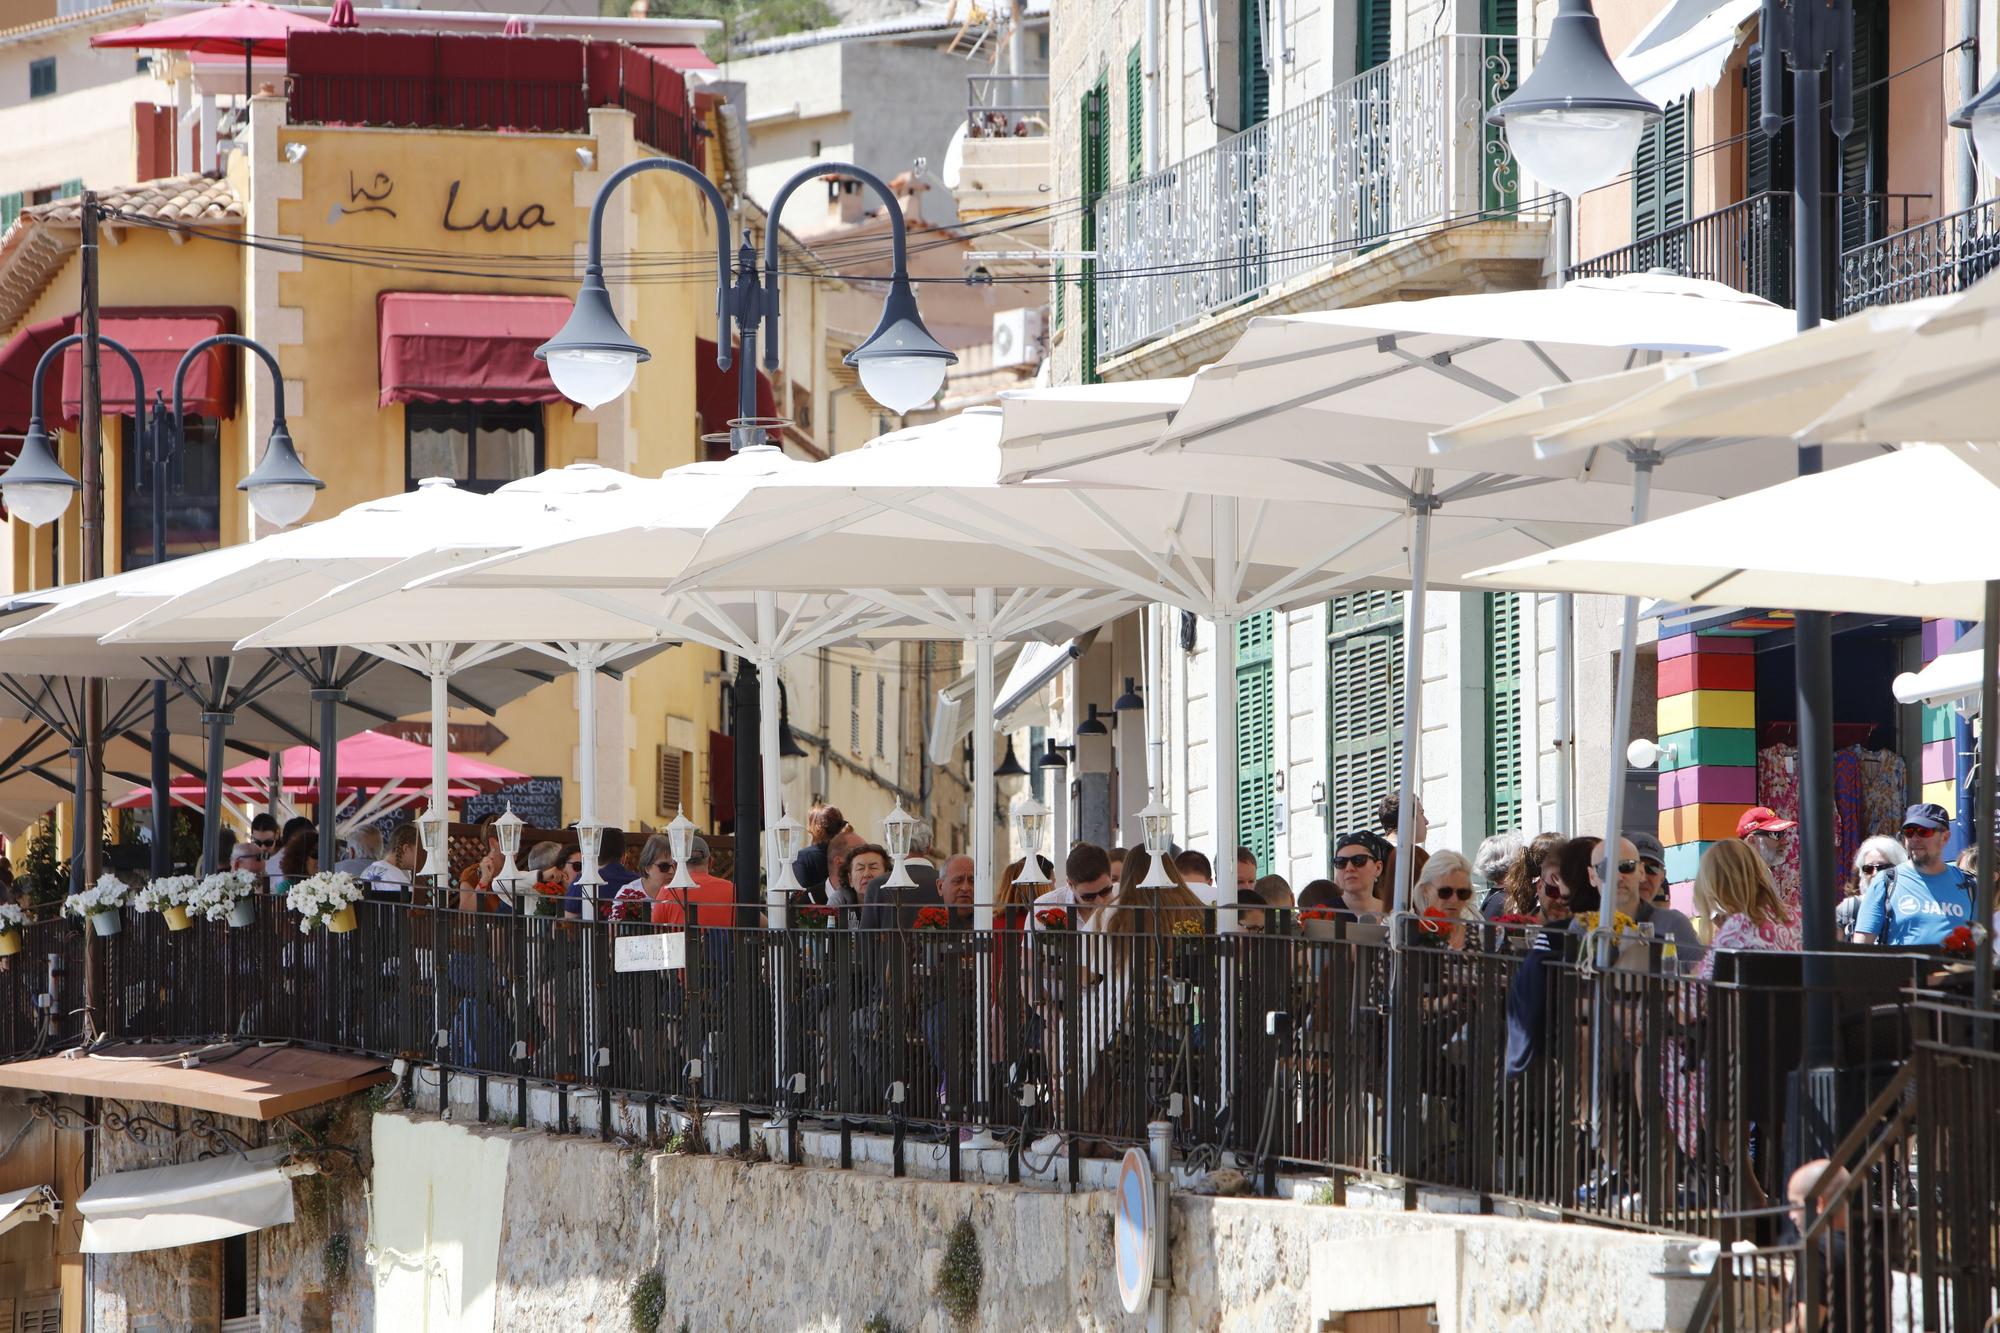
(1708, 725)
(1939, 778)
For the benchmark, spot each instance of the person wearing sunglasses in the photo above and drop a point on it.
(1875, 857)
(1774, 840)
(1918, 903)
(1358, 862)
(1444, 889)
(1628, 896)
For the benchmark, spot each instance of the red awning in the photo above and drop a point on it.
(157, 338)
(455, 347)
(17, 369)
(678, 57)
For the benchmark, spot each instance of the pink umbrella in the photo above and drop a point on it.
(248, 26)
(343, 15)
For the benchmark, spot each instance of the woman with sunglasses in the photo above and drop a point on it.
(1444, 890)
(1358, 862)
(1879, 855)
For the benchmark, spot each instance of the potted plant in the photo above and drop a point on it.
(812, 916)
(12, 918)
(99, 904)
(326, 899)
(225, 896)
(1319, 923)
(168, 896)
(1053, 918)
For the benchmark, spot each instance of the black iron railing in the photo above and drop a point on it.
(1931, 259)
(1747, 245)
(1630, 1094)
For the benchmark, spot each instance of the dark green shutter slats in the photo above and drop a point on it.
(1503, 710)
(1058, 284)
(69, 189)
(1372, 44)
(1253, 81)
(1364, 714)
(1499, 65)
(1661, 173)
(1256, 787)
(1135, 117)
(1862, 154)
(10, 208)
(1767, 162)
(1096, 179)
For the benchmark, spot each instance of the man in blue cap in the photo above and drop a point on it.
(1918, 903)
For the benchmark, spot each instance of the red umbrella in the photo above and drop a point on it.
(248, 26)
(343, 15)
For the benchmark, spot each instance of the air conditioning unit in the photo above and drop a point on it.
(1017, 337)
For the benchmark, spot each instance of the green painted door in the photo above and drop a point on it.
(1364, 706)
(1503, 711)
(1256, 771)
(1500, 74)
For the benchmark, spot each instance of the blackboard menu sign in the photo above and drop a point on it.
(538, 802)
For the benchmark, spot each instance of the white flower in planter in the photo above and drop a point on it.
(164, 892)
(216, 896)
(12, 917)
(107, 895)
(320, 896)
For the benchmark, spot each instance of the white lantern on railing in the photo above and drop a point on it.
(507, 828)
(1031, 820)
(1157, 822)
(788, 839)
(896, 830)
(589, 837)
(433, 832)
(680, 842)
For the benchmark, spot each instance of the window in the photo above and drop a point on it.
(1364, 713)
(1135, 116)
(675, 766)
(42, 77)
(240, 1307)
(1661, 171)
(1374, 36)
(1096, 180)
(1256, 786)
(193, 508)
(1503, 710)
(881, 714)
(1253, 73)
(481, 446)
(854, 709)
(10, 209)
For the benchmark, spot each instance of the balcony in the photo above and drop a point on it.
(533, 85)
(1747, 245)
(1933, 258)
(1003, 170)
(1373, 163)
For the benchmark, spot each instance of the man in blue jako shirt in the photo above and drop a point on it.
(1919, 903)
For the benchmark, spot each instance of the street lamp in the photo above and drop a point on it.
(1157, 822)
(1574, 121)
(896, 830)
(592, 360)
(1031, 818)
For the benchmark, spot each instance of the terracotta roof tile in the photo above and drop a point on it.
(190, 200)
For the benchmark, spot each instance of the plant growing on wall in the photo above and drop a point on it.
(961, 1273)
(45, 874)
(648, 1302)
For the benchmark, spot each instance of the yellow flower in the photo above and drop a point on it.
(1185, 927)
(1620, 923)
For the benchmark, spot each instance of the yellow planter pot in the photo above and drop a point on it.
(177, 918)
(342, 921)
(10, 943)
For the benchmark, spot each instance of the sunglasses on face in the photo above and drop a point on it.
(1919, 831)
(1875, 869)
(664, 867)
(1555, 891)
(1464, 894)
(577, 866)
(1343, 862)
(265, 843)
(1627, 867)
(1097, 897)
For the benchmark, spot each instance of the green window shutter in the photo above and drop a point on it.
(1503, 711)
(1364, 706)
(1096, 179)
(1767, 162)
(1661, 173)
(10, 209)
(1862, 161)
(1256, 773)
(1058, 302)
(1373, 35)
(1500, 61)
(1135, 116)
(1253, 81)
(69, 189)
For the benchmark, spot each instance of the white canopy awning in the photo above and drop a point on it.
(37, 1203)
(165, 1206)
(1038, 664)
(1683, 50)
(951, 714)
(1952, 677)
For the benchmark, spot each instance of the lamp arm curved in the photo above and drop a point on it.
(899, 251)
(63, 344)
(593, 267)
(230, 340)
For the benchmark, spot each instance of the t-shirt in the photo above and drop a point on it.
(712, 900)
(1907, 908)
(615, 877)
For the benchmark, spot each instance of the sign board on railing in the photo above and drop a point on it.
(649, 953)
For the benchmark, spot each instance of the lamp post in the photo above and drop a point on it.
(593, 360)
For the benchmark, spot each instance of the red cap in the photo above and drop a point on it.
(1763, 819)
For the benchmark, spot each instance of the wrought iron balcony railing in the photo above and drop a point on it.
(1932, 258)
(1747, 245)
(1396, 149)
(1007, 106)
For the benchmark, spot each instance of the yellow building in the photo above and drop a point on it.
(331, 243)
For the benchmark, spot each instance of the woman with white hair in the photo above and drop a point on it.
(1444, 890)
(1875, 856)
(1495, 855)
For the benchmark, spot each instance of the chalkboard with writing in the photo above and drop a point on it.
(538, 801)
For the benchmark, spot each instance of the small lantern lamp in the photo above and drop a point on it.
(1031, 820)
(431, 832)
(680, 841)
(1157, 822)
(788, 839)
(896, 831)
(507, 828)
(588, 838)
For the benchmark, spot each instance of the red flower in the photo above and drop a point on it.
(932, 918)
(1959, 941)
(1437, 921)
(815, 917)
(1053, 918)
(1515, 919)
(1317, 914)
